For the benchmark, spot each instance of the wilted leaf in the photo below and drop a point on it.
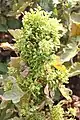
(75, 29)
(24, 73)
(24, 69)
(6, 46)
(14, 94)
(66, 92)
(41, 106)
(1, 97)
(74, 70)
(46, 90)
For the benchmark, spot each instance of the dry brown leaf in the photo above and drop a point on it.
(46, 90)
(75, 24)
(24, 69)
(41, 106)
(2, 98)
(75, 29)
(76, 104)
(24, 73)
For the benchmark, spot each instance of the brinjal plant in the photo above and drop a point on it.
(40, 73)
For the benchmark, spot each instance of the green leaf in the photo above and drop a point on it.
(19, 7)
(3, 24)
(3, 68)
(69, 52)
(57, 94)
(8, 114)
(74, 70)
(3, 28)
(3, 104)
(3, 20)
(75, 17)
(14, 94)
(13, 23)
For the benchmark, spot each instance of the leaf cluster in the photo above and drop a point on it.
(9, 9)
(38, 41)
(38, 78)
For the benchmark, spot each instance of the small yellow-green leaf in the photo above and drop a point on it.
(65, 92)
(15, 33)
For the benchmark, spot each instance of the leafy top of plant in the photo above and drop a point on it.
(38, 42)
(41, 73)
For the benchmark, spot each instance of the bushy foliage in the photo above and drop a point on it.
(37, 78)
(43, 73)
(57, 112)
(38, 44)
